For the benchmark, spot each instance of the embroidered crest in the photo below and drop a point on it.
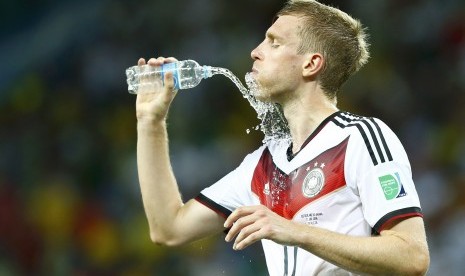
(313, 183)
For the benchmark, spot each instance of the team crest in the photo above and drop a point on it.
(313, 183)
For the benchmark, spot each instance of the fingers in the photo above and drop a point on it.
(154, 94)
(247, 226)
(168, 80)
(160, 60)
(169, 83)
(170, 59)
(248, 235)
(238, 226)
(156, 61)
(238, 213)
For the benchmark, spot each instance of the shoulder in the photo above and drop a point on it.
(360, 123)
(370, 133)
(251, 159)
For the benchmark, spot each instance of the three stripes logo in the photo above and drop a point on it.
(371, 134)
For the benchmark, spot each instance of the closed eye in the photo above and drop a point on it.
(272, 40)
(274, 43)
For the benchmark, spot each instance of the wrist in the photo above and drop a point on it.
(300, 234)
(147, 124)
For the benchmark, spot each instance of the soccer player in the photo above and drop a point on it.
(337, 200)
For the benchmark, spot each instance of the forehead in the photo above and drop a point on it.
(286, 26)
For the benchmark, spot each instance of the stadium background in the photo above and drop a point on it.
(69, 198)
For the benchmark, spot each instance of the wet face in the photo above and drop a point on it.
(277, 67)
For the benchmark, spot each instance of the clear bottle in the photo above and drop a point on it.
(147, 78)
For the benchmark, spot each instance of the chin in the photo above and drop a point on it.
(263, 98)
(257, 89)
(261, 95)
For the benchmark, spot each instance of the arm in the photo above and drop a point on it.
(401, 250)
(171, 221)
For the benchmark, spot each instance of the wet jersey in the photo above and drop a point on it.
(351, 176)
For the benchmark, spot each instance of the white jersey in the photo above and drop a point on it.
(351, 176)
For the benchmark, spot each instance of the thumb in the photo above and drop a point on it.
(170, 82)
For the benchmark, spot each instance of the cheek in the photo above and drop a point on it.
(294, 72)
(280, 74)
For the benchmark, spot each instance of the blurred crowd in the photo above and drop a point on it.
(70, 202)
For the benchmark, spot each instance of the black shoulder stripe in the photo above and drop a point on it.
(375, 141)
(349, 120)
(386, 149)
(367, 142)
(364, 136)
(336, 122)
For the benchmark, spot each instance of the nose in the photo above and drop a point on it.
(256, 53)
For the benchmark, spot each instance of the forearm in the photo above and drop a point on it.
(392, 253)
(160, 193)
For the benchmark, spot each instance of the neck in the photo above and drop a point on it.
(305, 114)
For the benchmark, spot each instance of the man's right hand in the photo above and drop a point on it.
(153, 106)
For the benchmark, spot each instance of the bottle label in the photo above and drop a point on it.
(170, 67)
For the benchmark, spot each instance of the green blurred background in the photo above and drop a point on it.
(69, 197)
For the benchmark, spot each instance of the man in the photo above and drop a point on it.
(338, 200)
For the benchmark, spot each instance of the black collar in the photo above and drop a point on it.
(291, 155)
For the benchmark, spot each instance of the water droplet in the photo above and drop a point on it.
(273, 124)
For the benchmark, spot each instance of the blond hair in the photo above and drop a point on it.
(333, 33)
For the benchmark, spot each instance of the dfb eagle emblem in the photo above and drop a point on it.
(313, 183)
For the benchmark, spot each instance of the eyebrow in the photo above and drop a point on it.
(272, 35)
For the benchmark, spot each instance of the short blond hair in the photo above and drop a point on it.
(341, 40)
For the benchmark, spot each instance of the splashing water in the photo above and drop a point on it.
(273, 124)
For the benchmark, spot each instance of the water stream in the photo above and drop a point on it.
(273, 124)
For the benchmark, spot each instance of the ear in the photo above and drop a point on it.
(313, 63)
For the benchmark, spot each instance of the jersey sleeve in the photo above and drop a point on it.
(378, 170)
(234, 189)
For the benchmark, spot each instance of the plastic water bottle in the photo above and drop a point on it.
(147, 78)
